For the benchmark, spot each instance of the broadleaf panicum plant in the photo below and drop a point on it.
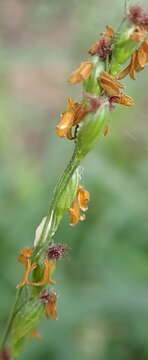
(83, 123)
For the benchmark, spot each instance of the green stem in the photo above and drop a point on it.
(10, 320)
(50, 226)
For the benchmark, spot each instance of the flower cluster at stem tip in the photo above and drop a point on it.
(101, 89)
(84, 123)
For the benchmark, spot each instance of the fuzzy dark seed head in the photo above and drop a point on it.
(104, 49)
(4, 355)
(48, 296)
(57, 251)
(138, 16)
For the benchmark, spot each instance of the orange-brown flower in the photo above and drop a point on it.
(49, 267)
(138, 62)
(138, 35)
(73, 115)
(82, 73)
(50, 301)
(75, 214)
(80, 203)
(24, 258)
(110, 85)
(83, 198)
(122, 99)
(109, 33)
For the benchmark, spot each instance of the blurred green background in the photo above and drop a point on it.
(103, 282)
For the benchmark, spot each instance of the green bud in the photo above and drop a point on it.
(91, 130)
(26, 320)
(124, 47)
(91, 85)
(63, 203)
(67, 197)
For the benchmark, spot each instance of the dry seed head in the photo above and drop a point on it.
(57, 251)
(138, 16)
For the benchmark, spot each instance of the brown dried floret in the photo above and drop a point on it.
(110, 85)
(73, 115)
(123, 99)
(24, 258)
(138, 35)
(49, 267)
(50, 301)
(138, 61)
(75, 214)
(83, 198)
(80, 204)
(103, 46)
(82, 73)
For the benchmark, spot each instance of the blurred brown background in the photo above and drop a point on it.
(103, 283)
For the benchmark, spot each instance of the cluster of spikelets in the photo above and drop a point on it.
(75, 112)
(103, 89)
(111, 88)
(68, 127)
(54, 253)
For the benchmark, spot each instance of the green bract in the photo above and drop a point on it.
(25, 322)
(92, 85)
(123, 47)
(91, 129)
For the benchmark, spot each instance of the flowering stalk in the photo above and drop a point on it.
(84, 123)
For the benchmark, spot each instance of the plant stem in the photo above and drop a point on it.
(46, 232)
(50, 223)
(10, 320)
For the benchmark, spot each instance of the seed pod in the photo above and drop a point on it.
(68, 196)
(124, 45)
(25, 321)
(91, 85)
(91, 129)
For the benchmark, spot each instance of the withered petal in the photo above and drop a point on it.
(62, 129)
(74, 213)
(124, 73)
(110, 84)
(124, 100)
(83, 198)
(82, 73)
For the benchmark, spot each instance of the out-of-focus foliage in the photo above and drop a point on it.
(103, 282)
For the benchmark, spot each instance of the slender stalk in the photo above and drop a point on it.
(123, 49)
(10, 320)
(49, 226)
(60, 187)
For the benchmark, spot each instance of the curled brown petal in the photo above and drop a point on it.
(124, 100)
(138, 35)
(110, 85)
(83, 198)
(65, 125)
(82, 73)
(75, 214)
